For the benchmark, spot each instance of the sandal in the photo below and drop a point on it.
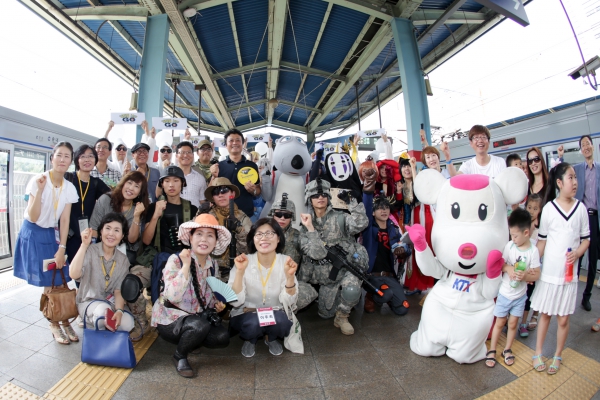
(553, 368)
(533, 322)
(58, 334)
(541, 365)
(508, 358)
(490, 359)
(70, 332)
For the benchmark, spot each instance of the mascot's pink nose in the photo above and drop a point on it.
(467, 251)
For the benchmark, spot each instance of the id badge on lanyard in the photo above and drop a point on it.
(265, 316)
(83, 223)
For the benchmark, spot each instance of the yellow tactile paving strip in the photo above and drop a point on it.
(7, 283)
(92, 382)
(10, 391)
(578, 377)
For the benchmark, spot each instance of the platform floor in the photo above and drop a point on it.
(375, 362)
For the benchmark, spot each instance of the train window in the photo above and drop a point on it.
(572, 155)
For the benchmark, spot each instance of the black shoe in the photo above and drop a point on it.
(585, 303)
(183, 367)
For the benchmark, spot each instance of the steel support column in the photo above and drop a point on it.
(413, 84)
(153, 70)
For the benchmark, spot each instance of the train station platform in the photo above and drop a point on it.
(376, 362)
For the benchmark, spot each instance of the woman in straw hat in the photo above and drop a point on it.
(178, 313)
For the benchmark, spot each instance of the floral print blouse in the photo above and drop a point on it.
(180, 291)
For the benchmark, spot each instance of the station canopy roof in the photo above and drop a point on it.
(308, 55)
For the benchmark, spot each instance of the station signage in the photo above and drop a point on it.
(504, 142)
(511, 9)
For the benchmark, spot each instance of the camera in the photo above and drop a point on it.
(212, 316)
(214, 160)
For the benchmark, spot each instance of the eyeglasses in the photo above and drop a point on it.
(283, 215)
(101, 148)
(185, 153)
(266, 235)
(205, 149)
(316, 196)
(166, 151)
(479, 138)
(141, 151)
(220, 190)
(535, 160)
(121, 148)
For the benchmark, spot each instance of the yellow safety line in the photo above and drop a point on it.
(583, 278)
(87, 381)
(577, 378)
(12, 391)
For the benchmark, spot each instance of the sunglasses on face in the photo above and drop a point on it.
(283, 215)
(166, 151)
(535, 160)
(220, 190)
(121, 148)
(316, 196)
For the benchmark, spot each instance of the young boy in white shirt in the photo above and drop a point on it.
(511, 299)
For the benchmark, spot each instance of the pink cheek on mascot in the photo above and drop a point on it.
(468, 236)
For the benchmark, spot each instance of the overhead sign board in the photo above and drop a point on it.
(511, 9)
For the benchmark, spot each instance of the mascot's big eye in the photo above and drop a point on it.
(285, 139)
(482, 211)
(301, 141)
(455, 211)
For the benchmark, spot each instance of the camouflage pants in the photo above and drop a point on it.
(330, 295)
(138, 309)
(306, 295)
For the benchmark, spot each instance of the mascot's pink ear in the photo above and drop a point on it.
(513, 184)
(428, 185)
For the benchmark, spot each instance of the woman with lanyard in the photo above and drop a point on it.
(41, 243)
(263, 279)
(89, 190)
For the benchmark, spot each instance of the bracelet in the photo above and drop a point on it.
(290, 287)
(449, 161)
(62, 246)
(120, 309)
(138, 223)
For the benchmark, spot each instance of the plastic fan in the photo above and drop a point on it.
(223, 292)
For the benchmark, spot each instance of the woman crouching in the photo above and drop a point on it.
(180, 313)
(101, 271)
(263, 279)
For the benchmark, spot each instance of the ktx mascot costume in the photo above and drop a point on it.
(292, 162)
(468, 236)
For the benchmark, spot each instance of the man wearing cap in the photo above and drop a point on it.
(241, 172)
(140, 152)
(218, 193)
(166, 153)
(324, 226)
(205, 153)
(196, 184)
(283, 212)
(109, 175)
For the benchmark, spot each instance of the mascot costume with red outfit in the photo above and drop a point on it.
(468, 236)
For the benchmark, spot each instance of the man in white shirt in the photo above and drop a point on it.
(483, 163)
(196, 184)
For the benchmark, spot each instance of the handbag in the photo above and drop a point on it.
(59, 304)
(293, 341)
(106, 348)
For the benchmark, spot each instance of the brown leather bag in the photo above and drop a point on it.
(59, 304)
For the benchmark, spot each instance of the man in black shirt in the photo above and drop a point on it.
(241, 172)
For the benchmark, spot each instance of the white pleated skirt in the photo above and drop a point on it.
(553, 299)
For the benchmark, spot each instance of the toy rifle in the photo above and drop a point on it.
(337, 256)
(231, 225)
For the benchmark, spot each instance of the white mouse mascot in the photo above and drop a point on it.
(468, 236)
(292, 160)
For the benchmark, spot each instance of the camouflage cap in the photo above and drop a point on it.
(317, 186)
(204, 143)
(286, 205)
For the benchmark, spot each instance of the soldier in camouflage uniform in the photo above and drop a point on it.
(325, 226)
(218, 193)
(205, 153)
(284, 212)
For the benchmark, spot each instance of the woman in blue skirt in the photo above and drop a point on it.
(43, 235)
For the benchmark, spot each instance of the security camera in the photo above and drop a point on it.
(592, 65)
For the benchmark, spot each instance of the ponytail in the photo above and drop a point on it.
(558, 172)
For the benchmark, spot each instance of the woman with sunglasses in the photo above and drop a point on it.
(537, 172)
(120, 160)
(219, 192)
(263, 279)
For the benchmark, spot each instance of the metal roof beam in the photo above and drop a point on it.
(201, 4)
(426, 17)
(188, 46)
(263, 101)
(313, 71)
(239, 55)
(281, 124)
(283, 66)
(452, 8)
(239, 71)
(247, 105)
(299, 105)
(277, 22)
(382, 11)
(110, 13)
(369, 53)
(405, 8)
(191, 107)
(335, 125)
(353, 105)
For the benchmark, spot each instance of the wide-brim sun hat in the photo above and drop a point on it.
(206, 221)
(220, 182)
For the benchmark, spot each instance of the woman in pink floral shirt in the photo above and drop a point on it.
(177, 314)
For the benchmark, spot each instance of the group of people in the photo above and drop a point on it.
(111, 220)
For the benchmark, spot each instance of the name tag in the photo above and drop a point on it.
(265, 316)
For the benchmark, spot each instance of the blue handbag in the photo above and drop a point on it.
(106, 348)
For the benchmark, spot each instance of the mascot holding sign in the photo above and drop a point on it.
(468, 236)
(292, 162)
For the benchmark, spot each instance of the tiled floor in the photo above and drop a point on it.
(375, 362)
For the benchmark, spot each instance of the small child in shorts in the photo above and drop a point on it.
(511, 300)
